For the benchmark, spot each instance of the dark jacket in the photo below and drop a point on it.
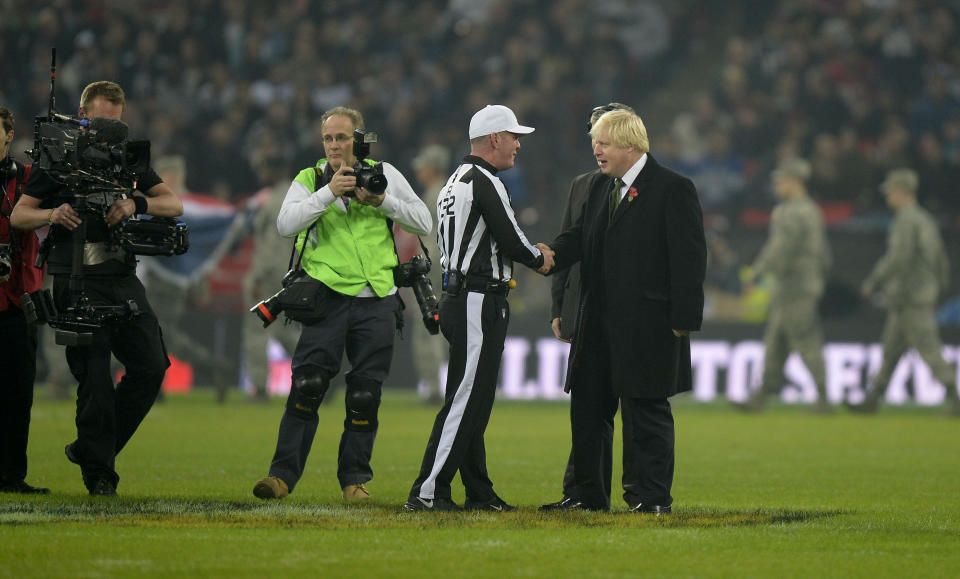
(565, 285)
(642, 277)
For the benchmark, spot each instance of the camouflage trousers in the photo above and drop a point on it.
(255, 338)
(913, 327)
(793, 326)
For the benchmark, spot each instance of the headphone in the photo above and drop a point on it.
(8, 165)
(602, 109)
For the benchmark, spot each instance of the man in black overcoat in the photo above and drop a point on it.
(642, 252)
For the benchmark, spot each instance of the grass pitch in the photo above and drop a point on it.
(785, 493)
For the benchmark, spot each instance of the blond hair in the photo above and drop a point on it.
(109, 91)
(354, 115)
(624, 128)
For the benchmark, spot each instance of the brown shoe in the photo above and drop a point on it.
(355, 493)
(270, 487)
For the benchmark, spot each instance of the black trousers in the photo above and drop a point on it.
(648, 425)
(108, 415)
(606, 459)
(475, 325)
(364, 328)
(18, 369)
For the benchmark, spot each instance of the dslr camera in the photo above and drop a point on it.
(370, 177)
(268, 310)
(413, 274)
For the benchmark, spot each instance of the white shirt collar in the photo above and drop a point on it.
(631, 175)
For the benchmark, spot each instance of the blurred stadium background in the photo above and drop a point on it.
(726, 89)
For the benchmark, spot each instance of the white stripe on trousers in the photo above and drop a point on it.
(451, 425)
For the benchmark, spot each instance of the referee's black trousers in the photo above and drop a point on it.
(475, 325)
(18, 369)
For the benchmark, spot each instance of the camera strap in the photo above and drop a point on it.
(319, 181)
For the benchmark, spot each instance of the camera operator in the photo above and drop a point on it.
(18, 356)
(106, 416)
(344, 232)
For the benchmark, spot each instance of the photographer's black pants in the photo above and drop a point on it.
(18, 369)
(107, 416)
(364, 328)
(475, 325)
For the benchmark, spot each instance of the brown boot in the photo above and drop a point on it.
(355, 493)
(953, 400)
(270, 487)
(755, 402)
(821, 406)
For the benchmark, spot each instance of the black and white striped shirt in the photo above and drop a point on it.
(477, 231)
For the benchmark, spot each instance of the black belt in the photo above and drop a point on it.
(455, 282)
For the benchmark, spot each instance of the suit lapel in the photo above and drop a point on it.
(638, 186)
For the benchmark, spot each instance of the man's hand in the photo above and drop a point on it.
(865, 291)
(120, 210)
(555, 326)
(367, 198)
(65, 216)
(548, 261)
(342, 181)
(681, 333)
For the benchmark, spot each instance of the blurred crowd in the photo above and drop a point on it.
(858, 87)
(728, 90)
(237, 87)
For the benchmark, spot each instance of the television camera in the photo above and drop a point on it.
(95, 164)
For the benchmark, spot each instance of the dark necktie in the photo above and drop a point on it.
(615, 196)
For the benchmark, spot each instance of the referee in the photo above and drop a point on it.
(479, 240)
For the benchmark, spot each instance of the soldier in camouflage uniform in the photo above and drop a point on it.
(912, 274)
(169, 299)
(430, 352)
(797, 258)
(270, 259)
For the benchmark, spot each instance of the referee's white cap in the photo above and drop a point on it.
(494, 119)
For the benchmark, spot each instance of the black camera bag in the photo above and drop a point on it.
(306, 300)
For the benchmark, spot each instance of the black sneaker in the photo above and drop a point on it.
(71, 453)
(419, 504)
(21, 487)
(104, 488)
(495, 504)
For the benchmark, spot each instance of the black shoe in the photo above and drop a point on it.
(104, 488)
(557, 506)
(651, 509)
(71, 453)
(419, 504)
(569, 504)
(22, 488)
(495, 504)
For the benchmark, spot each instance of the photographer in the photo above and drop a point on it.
(18, 356)
(348, 254)
(106, 416)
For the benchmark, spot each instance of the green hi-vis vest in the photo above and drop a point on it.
(352, 249)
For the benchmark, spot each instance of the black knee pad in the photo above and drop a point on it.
(363, 402)
(306, 393)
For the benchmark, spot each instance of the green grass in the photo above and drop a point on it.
(785, 493)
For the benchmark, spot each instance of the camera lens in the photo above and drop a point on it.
(373, 182)
(267, 310)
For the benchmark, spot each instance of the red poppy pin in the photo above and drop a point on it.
(632, 194)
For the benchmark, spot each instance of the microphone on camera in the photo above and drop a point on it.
(71, 120)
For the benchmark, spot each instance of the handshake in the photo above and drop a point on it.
(548, 261)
